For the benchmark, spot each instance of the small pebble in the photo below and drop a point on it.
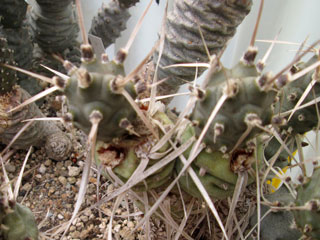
(84, 218)
(73, 171)
(10, 168)
(117, 228)
(75, 234)
(39, 176)
(42, 169)
(48, 163)
(60, 216)
(67, 163)
(62, 180)
(72, 180)
(59, 165)
(130, 224)
(26, 187)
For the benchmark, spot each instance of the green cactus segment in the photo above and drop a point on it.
(305, 119)
(100, 95)
(129, 165)
(308, 221)
(12, 13)
(18, 223)
(249, 106)
(284, 158)
(125, 157)
(216, 187)
(212, 168)
(110, 22)
(125, 161)
(8, 77)
(277, 224)
(217, 20)
(53, 25)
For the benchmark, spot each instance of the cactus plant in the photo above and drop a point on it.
(16, 220)
(182, 42)
(111, 19)
(308, 196)
(39, 133)
(237, 104)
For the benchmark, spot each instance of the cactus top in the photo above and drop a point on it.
(94, 87)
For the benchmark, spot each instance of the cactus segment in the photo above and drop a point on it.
(17, 222)
(308, 221)
(39, 133)
(19, 41)
(125, 157)
(12, 13)
(212, 168)
(277, 224)
(127, 3)
(216, 187)
(53, 25)
(249, 106)
(156, 180)
(8, 77)
(305, 119)
(217, 20)
(94, 87)
(54, 6)
(110, 22)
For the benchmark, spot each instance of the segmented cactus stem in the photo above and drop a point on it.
(110, 21)
(12, 13)
(39, 133)
(53, 24)
(8, 77)
(183, 44)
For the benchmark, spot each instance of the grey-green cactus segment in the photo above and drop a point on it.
(39, 133)
(100, 95)
(12, 13)
(305, 119)
(17, 222)
(54, 6)
(308, 221)
(8, 77)
(53, 24)
(284, 157)
(277, 225)
(109, 22)
(125, 157)
(248, 105)
(212, 168)
(127, 167)
(19, 41)
(183, 44)
(127, 3)
(215, 186)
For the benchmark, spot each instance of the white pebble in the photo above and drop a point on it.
(42, 169)
(62, 180)
(73, 171)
